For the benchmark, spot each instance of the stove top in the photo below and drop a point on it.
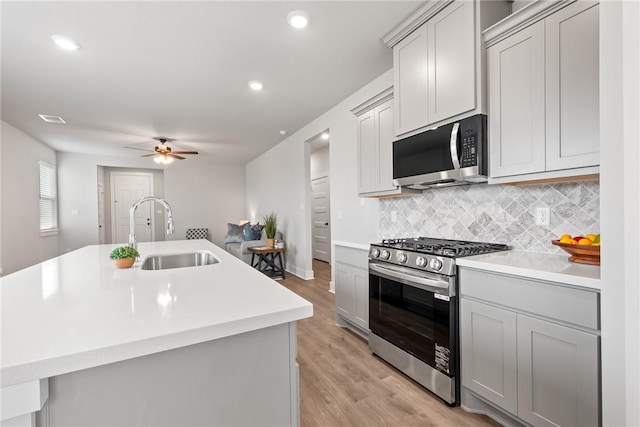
(443, 247)
(427, 254)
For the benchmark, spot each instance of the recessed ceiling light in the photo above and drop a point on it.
(255, 85)
(325, 136)
(51, 119)
(283, 132)
(298, 19)
(65, 42)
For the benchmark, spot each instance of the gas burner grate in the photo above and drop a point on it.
(444, 247)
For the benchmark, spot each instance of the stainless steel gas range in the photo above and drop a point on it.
(413, 308)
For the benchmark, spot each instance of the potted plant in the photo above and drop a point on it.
(124, 256)
(270, 223)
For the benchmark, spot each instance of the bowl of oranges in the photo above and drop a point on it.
(583, 249)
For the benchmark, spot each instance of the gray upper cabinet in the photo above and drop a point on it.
(375, 147)
(516, 104)
(367, 153)
(572, 89)
(544, 92)
(451, 54)
(439, 71)
(410, 82)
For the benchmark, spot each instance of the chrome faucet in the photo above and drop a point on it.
(133, 241)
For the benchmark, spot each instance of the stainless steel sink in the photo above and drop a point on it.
(189, 259)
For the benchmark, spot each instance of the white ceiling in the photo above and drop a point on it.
(180, 69)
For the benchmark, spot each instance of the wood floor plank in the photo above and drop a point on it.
(343, 384)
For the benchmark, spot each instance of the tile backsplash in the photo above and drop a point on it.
(496, 213)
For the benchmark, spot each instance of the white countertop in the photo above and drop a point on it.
(364, 247)
(549, 267)
(78, 311)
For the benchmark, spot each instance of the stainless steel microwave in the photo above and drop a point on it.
(451, 154)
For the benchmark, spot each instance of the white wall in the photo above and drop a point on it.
(204, 194)
(21, 242)
(77, 190)
(319, 163)
(201, 193)
(278, 180)
(620, 211)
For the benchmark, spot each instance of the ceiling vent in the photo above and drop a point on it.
(51, 119)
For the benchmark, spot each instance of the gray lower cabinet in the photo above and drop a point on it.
(557, 374)
(352, 287)
(488, 362)
(529, 352)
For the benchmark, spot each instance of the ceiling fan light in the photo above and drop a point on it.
(163, 159)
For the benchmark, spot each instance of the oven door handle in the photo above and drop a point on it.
(413, 279)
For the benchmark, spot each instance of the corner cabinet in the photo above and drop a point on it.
(530, 348)
(439, 68)
(352, 288)
(375, 147)
(544, 92)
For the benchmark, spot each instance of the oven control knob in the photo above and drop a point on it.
(421, 261)
(375, 252)
(385, 254)
(435, 264)
(401, 257)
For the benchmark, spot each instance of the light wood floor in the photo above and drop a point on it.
(343, 384)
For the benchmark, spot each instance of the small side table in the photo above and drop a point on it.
(272, 259)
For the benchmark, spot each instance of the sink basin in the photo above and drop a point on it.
(189, 259)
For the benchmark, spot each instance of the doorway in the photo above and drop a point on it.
(320, 196)
(126, 189)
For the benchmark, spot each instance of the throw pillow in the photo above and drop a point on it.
(252, 232)
(234, 233)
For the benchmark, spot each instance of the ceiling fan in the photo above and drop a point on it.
(163, 153)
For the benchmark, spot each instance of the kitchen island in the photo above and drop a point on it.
(84, 343)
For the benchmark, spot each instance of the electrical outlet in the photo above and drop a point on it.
(394, 216)
(542, 215)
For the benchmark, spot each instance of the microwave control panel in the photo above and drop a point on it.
(469, 147)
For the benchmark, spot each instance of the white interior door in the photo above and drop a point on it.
(321, 216)
(126, 189)
(101, 214)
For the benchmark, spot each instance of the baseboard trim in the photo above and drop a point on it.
(303, 274)
(332, 287)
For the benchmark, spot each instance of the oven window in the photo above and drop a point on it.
(413, 320)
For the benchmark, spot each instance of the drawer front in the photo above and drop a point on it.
(575, 306)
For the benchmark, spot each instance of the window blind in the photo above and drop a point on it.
(48, 200)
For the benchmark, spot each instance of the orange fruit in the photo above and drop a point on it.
(573, 242)
(585, 242)
(565, 237)
(591, 237)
